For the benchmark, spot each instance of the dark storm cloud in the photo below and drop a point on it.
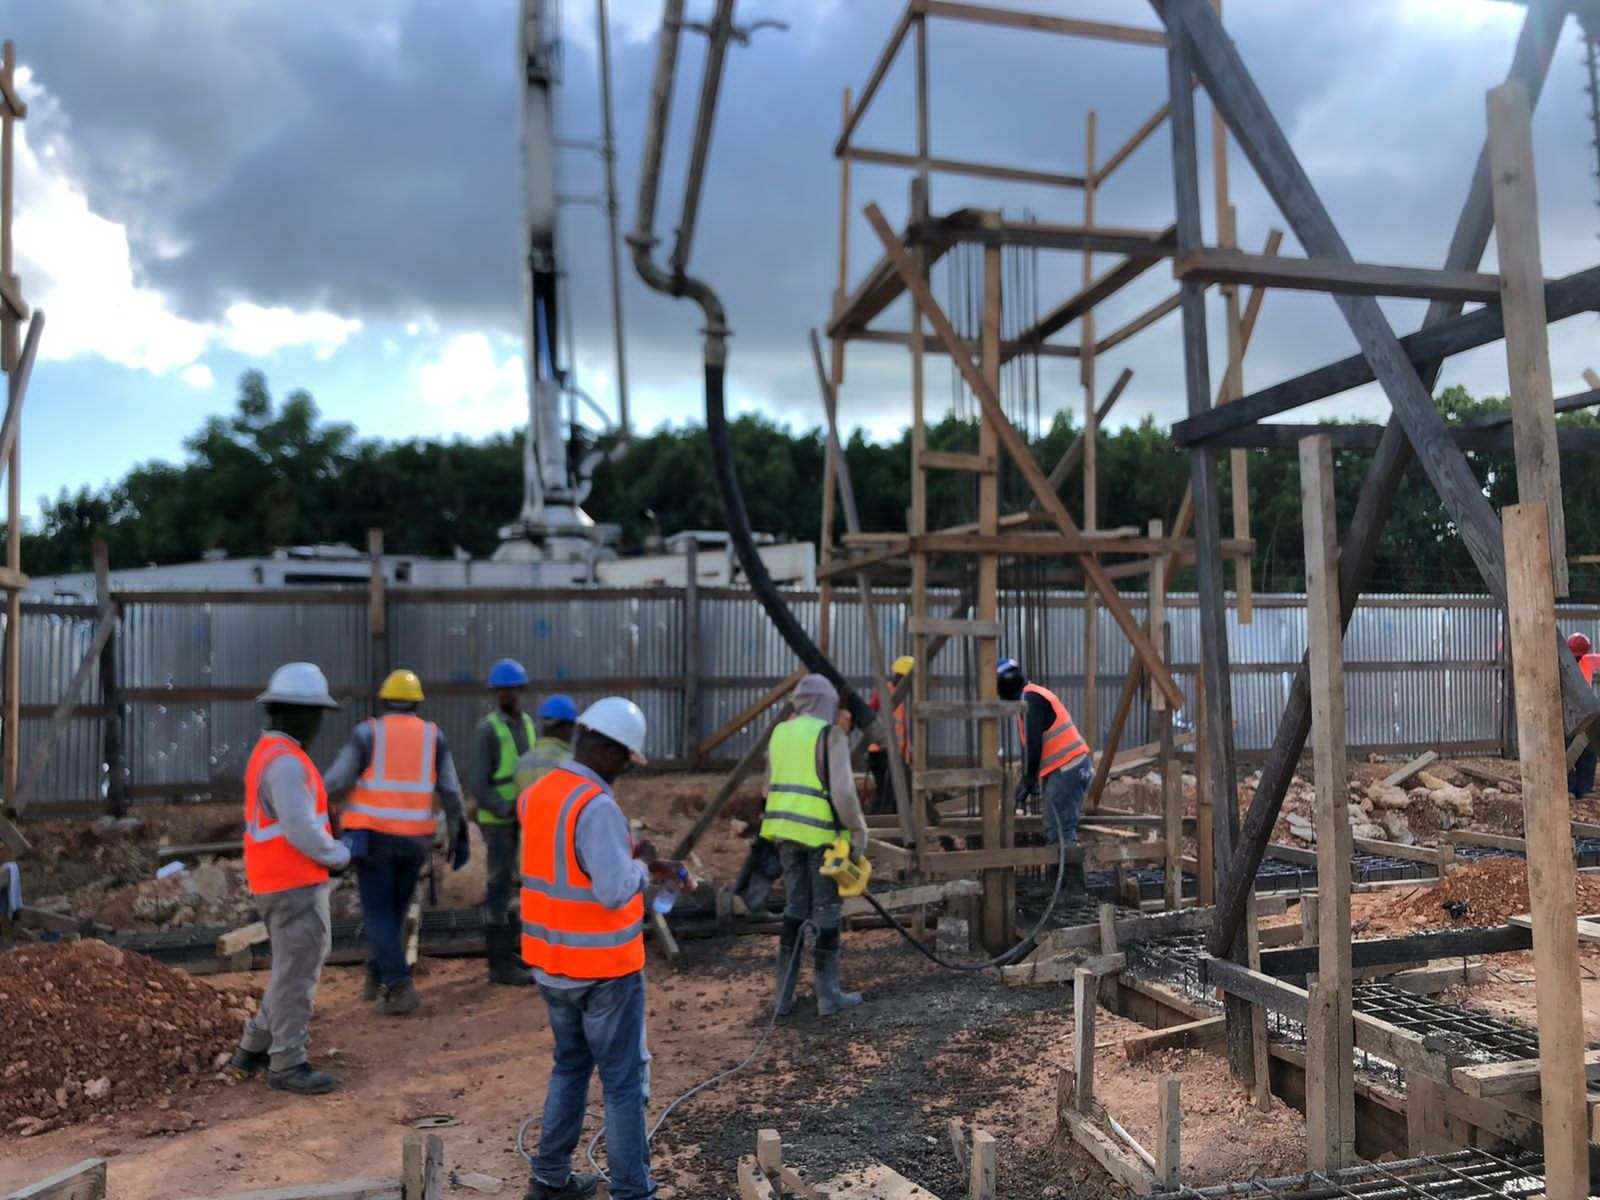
(362, 156)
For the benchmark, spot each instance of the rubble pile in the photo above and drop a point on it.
(1481, 893)
(89, 1029)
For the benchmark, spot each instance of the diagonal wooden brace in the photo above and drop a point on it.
(1017, 449)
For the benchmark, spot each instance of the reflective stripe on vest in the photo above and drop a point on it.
(565, 929)
(504, 776)
(395, 793)
(797, 800)
(1063, 744)
(271, 863)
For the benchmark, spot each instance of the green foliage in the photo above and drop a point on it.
(275, 474)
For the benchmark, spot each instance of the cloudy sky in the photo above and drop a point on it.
(329, 191)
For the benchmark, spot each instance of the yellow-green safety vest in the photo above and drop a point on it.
(797, 799)
(504, 779)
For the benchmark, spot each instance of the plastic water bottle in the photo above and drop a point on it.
(667, 896)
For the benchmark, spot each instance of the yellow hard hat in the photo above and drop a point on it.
(904, 665)
(402, 686)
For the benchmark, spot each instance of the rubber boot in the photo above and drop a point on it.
(500, 942)
(788, 965)
(397, 999)
(578, 1186)
(304, 1080)
(830, 999)
(1074, 888)
(248, 1062)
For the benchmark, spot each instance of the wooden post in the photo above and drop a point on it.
(999, 886)
(922, 650)
(981, 1182)
(1516, 228)
(1547, 819)
(1085, 990)
(1330, 1033)
(1091, 439)
(110, 693)
(1204, 825)
(691, 655)
(1170, 1146)
(836, 378)
(377, 609)
(422, 1167)
(11, 747)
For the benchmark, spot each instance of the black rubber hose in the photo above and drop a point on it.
(744, 545)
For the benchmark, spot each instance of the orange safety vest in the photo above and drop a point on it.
(902, 731)
(271, 864)
(1063, 744)
(395, 793)
(1587, 664)
(565, 930)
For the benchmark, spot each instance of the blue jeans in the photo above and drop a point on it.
(598, 1025)
(1064, 791)
(1580, 780)
(386, 878)
(503, 868)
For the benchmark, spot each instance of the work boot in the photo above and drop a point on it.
(577, 1186)
(303, 1080)
(788, 975)
(829, 998)
(500, 942)
(248, 1062)
(1074, 887)
(373, 982)
(397, 999)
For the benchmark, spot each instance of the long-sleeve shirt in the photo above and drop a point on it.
(486, 757)
(544, 754)
(1038, 718)
(833, 768)
(355, 756)
(287, 794)
(604, 847)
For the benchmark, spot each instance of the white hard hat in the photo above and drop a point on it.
(620, 720)
(300, 683)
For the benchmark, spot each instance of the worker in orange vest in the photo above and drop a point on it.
(583, 883)
(1055, 758)
(289, 853)
(388, 773)
(877, 757)
(1580, 779)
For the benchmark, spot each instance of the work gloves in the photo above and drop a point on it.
(1025, 791)
(461, 848)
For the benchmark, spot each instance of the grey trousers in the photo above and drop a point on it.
(300, 934)
(807, 892)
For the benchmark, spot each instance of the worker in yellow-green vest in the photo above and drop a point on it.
(502, 737)
(811, 801)
(558, 718)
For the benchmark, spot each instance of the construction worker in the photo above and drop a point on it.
(1580, 779)
(811, 802)
(877, 757)
(583, 934)
(392, 767)
(502, 738)
(289, 853)
(557, 718)
(1055, 758)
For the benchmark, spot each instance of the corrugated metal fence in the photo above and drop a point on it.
(1424, 672)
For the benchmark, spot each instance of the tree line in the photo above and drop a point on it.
(276, 474)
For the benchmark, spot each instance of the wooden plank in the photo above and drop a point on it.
(954, 778)
(1525, 1075)
(980, 1185)
(1439, 976)
(1547, 817)
(875, 80)
(998, 907)
(349, 1189)
(773, 694)
(753, 1184)
(900, 899)
(1138, 324)
(1220, 264)
(40, 758)
(422, 1169)
(872, 1182)
(1521, 285)
(1042, 23)
(1412, 948)
(235, 940)
(1484, 776)
(1421, 762)
(958, 166)
(1205, 1032)
(1085, 997)
(1122, 1166)
(197, 849)
(959, 862)
(1136, 139)
(1097, 291)
(769, 1151)
(954, 627)
(1420, 854)
(1017, 450)
(970, 710)
(1430, 1127)
(1169, 1146)
(950, 460)
(83, 1181)
(747, 763)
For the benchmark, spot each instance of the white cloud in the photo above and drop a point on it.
(197, 375)
(479, 390)
(78, 267)
(254, 329)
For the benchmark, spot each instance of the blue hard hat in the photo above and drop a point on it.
(507, 673)
(558, 708)
(1006, 665)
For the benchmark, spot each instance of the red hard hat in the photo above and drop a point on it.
(1578, 644)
